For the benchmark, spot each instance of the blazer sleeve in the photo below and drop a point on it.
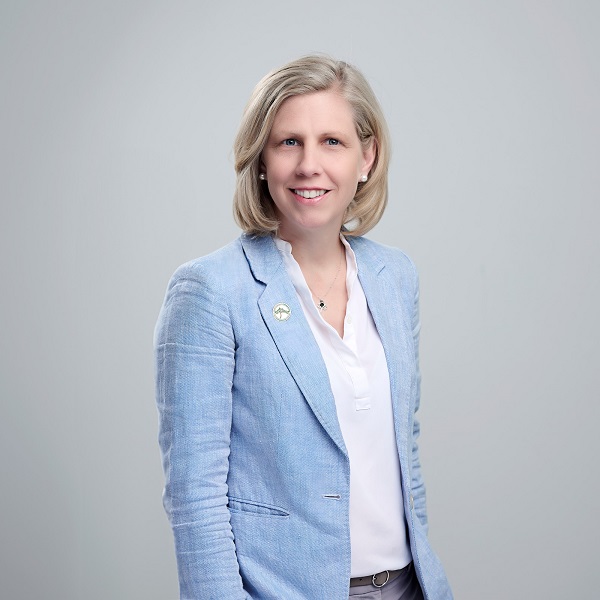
(417, 484)
(195, 351)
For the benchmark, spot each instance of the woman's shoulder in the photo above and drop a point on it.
(219, 264)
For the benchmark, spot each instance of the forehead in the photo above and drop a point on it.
(327, 110)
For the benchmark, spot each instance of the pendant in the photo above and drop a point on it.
(322, 306)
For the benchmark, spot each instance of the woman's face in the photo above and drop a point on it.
(313, 161)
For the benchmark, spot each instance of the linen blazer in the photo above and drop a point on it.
(257, 473)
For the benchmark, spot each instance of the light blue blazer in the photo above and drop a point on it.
(257, 473)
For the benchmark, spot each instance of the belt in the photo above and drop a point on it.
(379, 579)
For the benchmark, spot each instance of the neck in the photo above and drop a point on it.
(316, 249)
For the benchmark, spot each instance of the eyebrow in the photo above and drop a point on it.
(291, 134)
(284, 134)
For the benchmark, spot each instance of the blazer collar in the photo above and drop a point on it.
(262, 255)
(366, 255)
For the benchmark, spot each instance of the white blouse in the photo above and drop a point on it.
(360, 383)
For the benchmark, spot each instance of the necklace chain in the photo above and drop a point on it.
(321, 303)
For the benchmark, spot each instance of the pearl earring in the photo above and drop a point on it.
(363, 178)
(262, 177)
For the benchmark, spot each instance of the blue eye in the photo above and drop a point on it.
(333, 142)
(290, 142)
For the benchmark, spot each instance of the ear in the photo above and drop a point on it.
(262, 168)
(369, 154)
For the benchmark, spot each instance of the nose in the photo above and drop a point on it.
(309, 163)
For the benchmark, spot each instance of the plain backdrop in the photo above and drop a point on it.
(116, 126)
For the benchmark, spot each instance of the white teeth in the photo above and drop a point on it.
(310, 193)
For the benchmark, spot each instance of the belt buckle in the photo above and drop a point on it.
(387, 578)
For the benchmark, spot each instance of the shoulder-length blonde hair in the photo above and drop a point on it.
(253, 207)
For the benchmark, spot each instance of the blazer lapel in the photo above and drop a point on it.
(393, 324)
(293, 336)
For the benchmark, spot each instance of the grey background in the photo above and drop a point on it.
(117, 120)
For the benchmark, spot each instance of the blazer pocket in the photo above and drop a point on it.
(255, 508)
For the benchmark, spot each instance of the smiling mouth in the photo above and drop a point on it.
(309, 194)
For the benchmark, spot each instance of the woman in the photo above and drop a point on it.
(287, 367)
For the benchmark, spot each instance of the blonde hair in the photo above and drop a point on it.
(254, 210)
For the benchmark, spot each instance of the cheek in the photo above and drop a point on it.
(277, 189)
(351, 175)
(277, 170)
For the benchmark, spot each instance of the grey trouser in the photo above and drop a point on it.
(404, 587)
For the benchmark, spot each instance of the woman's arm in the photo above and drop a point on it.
(194, 369)
(417, 485)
